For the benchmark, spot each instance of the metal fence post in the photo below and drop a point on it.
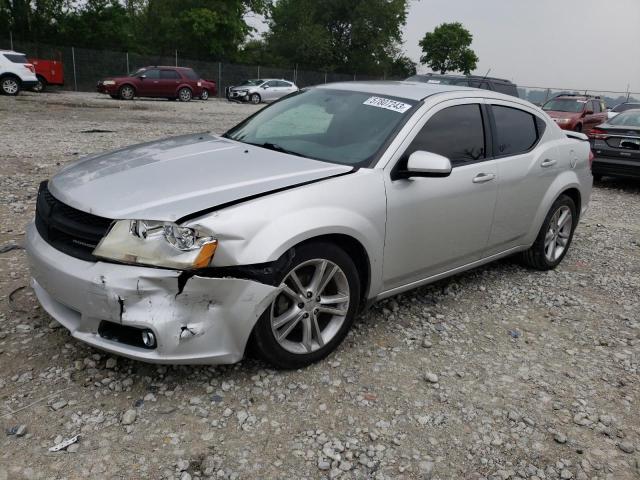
(219, 79)
(128, 70)
(258, 71)
(176, 58)
(325, 77)
(11, 38)
(73, 60)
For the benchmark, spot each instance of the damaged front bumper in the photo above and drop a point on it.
(202, 320)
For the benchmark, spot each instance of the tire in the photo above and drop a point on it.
(41, 85)
(204, 95)
(10, 85)
(126, 92)
(552, 244)
(303, 313)
(255, 98)
(185, 95)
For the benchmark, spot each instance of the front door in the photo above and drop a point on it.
(168, 84)
(148, 84)
(437, 224)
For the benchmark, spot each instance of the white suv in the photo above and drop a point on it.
(15, 72)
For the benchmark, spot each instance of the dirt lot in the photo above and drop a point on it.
(498, 373)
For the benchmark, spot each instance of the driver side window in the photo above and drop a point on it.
(454, 132)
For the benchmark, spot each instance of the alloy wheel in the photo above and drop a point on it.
(558, 234)
(10, 86)
(255, 99)
(184, 95)
(311, 307)
(204, 95)
(126, 93)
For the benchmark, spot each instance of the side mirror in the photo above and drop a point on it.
(425, 164)
(142, 77)
(264, 87)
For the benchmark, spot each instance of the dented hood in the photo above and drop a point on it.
(178, 176)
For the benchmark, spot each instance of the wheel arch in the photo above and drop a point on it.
(355, 250)
(128, 84)
(574, 194)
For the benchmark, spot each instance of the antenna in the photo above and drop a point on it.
(486, 74)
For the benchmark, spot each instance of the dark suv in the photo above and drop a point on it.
(579, 113)
(486, 83)
(164, 82)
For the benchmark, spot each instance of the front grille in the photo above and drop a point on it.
(67, 229)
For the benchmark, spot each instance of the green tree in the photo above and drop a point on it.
(447, 49)
(349, 35)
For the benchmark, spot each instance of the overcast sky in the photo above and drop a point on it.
(577, 44)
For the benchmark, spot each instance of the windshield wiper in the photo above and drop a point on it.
(275, 147)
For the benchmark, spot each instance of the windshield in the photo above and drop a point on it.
(629, 118)
(332, 125)
(138, 72)
(564, 105)
(251, 83)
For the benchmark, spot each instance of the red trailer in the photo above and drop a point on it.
(49, 72)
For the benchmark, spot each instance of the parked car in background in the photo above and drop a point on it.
(622, 107)
(209, 89)
(279, 232)
(48, 72)
(486, 83)
(261, 90)
(616, 146)
(579, 113)
(173, 83)
(16, 72)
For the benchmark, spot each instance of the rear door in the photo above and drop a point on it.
(168, 83)
(526, 168)
(437, 224)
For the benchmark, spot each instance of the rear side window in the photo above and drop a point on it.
(455, 132)
(283, 84)
(15, 58)
(517, 131)
(191, 74)
(169, 75)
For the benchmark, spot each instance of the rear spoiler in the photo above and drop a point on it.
(576, 135)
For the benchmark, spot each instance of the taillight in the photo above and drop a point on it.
(598, 134)
(30, 67)
(591, 157)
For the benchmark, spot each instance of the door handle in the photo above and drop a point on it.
(548, 163)
(483, 177)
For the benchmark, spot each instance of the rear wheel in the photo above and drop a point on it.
(555, 236)
(127, 92)
(316, 306)
(204, 95)
(184, 94)
(41, 85)
(10, 85)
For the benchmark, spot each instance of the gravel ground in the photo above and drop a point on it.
(497, 373)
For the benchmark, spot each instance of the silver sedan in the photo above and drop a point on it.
(261, 90)
(279, 232)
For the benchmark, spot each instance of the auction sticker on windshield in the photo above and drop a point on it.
(387, 103)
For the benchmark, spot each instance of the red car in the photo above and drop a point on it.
(49, 72)
(579, 113)
(164, 82)
(209, 89)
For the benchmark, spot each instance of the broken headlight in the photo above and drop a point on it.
(161, 244)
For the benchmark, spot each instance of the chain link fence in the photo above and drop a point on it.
(539, 95)
(84, 67)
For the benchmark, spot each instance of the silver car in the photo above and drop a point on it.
(261, 90)
(277, 233)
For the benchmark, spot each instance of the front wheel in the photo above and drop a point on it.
(127, 92)
(555, 236)
(255, 98)
(317, 303)
(184, 94)
(204, 95)
(10, 86)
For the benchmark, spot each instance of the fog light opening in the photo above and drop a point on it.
(148, 339)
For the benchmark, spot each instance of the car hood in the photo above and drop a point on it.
(556, 114)
(245, 87)
(179, 176)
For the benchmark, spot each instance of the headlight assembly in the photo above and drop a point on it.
(160, 244)
(108, 82)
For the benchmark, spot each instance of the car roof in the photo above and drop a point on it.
(12, 52)
(409, 90)
(467, 77)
